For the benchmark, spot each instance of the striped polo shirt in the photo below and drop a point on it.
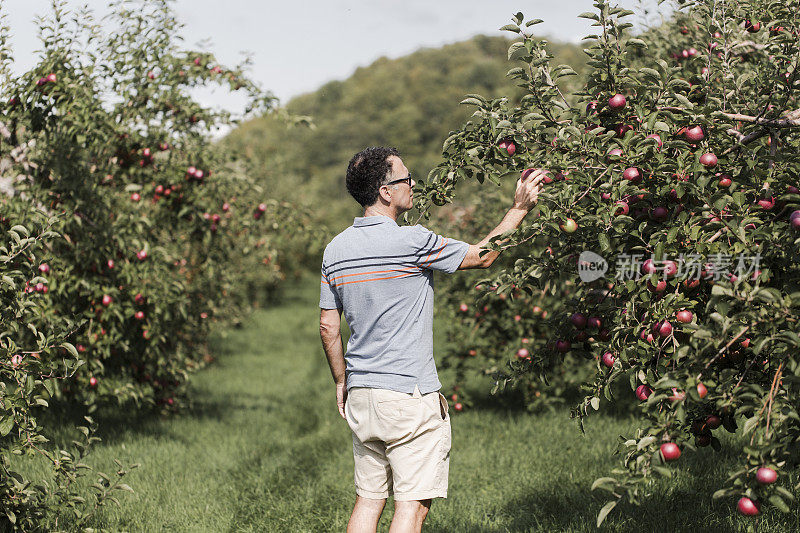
(381, 276)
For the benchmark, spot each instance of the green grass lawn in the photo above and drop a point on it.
(263, 448)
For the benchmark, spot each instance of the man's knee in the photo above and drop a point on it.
(419, 508)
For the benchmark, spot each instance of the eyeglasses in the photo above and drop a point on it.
(407, 179)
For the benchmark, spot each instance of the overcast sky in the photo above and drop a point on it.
(299, 45)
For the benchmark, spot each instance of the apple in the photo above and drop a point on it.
(657, 137)
(663, 328)
(159, 189)
(659, 214)
(563, 346)
(677, 395)
(262, 207)
(670, 451)
(16, 360)
(139, 315)
(517, 318)
(51, 78)
(713, 422)
(458, 407)
(578, 320)
(670, 268)
(110, 263)
(608, 359)
(107, 300)
(215, 217)
(766, 476)
(695, 134)
(568, 226)
(708, 160)
(648, 267)
(748, 507)
(151, 75)
(44, 268)
(141, 255)
(135, 197)
(622, 208)
(40, 287)
(615, 152)
(794, 219)
(595, 322)
(660, 286)
(198, 174)
(632, 174)
(643, 392)
(536, 309)
(767, 203)
(617, 102)
(92, 381)
(522, 353)
(622, 129)
(684, 316)
(163, 147)
(702, 391)
(752, 27)
(724, 181)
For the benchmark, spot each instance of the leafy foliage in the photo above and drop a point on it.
(718, 79)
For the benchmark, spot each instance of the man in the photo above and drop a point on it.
(381, 275)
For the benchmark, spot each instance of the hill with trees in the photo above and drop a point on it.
(411, 103)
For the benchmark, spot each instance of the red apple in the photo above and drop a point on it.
(107, 300)
(617, 102)
(685, 316)
(608, 359)
(135, 197)
(670, 451)
(708, 160)
(643, 392)
(677, 395)
(141, 255)
(578, 320)
(713, 422)
(110, 263)
(702, 391)
(752, 27)
(695, 134)
(595, 322)
(622, 208)
(724, 181)
(139, 315)
(522, 353)
(766, 476)
(660, 286)
(51, 78)
(748, 507)
(657, 137)
(615, 152)
(568, 226)
(563, 346)
(92, 381)
(767, 203)
(44, 268)
(648, 267)
(632, 174)
(458, 407)
(659, 214)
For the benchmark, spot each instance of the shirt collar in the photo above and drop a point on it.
(372, 220)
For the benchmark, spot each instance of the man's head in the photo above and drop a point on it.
(369, 180)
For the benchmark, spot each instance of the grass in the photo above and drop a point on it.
(262, 448)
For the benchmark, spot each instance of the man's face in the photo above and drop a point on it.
(402, 196)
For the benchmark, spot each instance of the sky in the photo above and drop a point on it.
(297, 46)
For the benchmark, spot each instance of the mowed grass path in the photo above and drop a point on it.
(263, 448)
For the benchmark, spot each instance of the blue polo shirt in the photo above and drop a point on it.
(381, 276)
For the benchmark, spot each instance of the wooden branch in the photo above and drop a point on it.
(789, 120)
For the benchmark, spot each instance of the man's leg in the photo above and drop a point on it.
(366, 514)
(409, 516)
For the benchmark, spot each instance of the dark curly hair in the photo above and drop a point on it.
(367, 171)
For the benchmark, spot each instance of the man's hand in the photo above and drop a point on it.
(341, 398)
(528, 189)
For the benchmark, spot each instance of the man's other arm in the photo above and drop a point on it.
(330, 322)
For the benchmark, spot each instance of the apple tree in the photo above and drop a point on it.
(676, 161)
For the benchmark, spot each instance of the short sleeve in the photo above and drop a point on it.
(328, 298)
(436, 252)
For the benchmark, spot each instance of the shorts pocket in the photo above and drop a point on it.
(444, 407)
(399, 407)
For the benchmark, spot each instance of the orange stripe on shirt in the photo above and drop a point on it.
(410, 269)
(437, 255)
(374, 279)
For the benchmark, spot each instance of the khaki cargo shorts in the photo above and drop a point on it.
(401, 443)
